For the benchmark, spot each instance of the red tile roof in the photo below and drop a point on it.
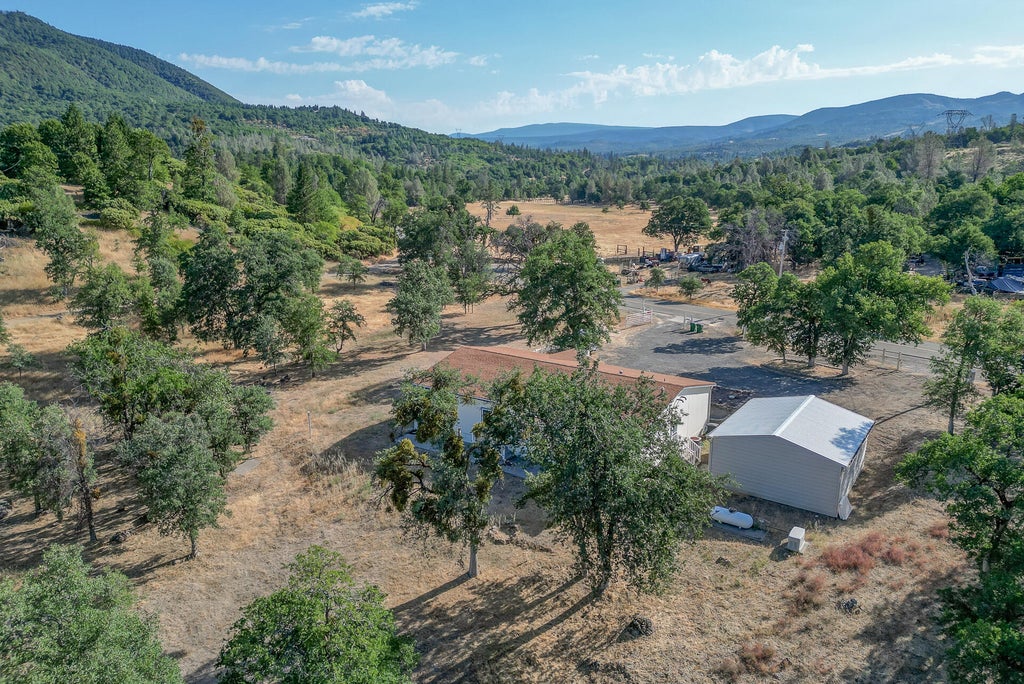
(487, 363)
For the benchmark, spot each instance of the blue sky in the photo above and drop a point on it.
(476, 66)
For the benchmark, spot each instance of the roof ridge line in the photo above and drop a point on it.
(792, 416)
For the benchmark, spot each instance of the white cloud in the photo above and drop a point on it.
(383, 9)
(589, 58)
(999, 56)
(357, 91)
(478, 60)
(355, 94)
(716, 70)
(385, 53)
(258, 65)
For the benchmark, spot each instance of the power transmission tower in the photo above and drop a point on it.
(955, 120)
(914, 128)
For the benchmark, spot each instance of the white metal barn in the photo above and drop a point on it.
(800, 451)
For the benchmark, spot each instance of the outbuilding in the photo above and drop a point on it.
(689, 398)
(801, 451)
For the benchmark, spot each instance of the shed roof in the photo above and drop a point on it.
(809, 422)
(487, 363)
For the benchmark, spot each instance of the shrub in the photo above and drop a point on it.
(847, 557)
(512, 211)
(117, 219)
(757, 657)
(809, 592)
(690, 286)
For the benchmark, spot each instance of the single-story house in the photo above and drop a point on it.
(804, 452)
(690, 398)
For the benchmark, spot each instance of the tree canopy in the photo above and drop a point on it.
(567, 298)
(612, 476)
(320, 627)
(65, 623)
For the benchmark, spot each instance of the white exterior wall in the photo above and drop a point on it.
(470, 415)
(771, 468)
(695, 402)
(851, 472)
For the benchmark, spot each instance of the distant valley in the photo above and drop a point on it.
(899, 116)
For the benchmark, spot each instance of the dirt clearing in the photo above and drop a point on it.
(740, 611)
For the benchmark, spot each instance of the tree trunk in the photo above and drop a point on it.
(193, 539)
(473, 570)
(846, 367)
(84, 490)
(812, 361)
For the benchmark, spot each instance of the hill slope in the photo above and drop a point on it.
(43, 68)
(888, 117)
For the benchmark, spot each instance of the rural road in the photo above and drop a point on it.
(917, 355)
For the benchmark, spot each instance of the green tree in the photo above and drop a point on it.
(979, 474)
(115, 158)
(964, 347)
(64, 623)
(442, 490)
(23, 152)
(197, 180)
(320, 627)
(20, 359)
(764, 308)
(158, 298)
(612, 475)
(130, 376)
(309, 197)
(134, 378)
(352, 269)
(689, 286)
(423, 292)
(178, 476)
(866, 297)
(54, 222)
(211, 278)
(44, 456)
(567, 298)
(682, 219)
(342, 320)
(656, 278)
(250, 405)
(984, 621)
(1003, 362)
(275, 270)
(305, 323)
(470, 272)
(105, 299)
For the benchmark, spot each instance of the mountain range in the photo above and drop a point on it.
(902, 115)
(42, 69)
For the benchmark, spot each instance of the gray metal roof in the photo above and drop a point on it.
(809, 422)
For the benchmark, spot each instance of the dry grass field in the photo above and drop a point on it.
(740, 611)
(611, 226)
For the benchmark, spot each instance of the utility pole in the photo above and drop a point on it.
(782, 254)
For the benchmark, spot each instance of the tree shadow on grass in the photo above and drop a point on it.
(361, 446)
(452, 337)
(905, 643)
(478, 632)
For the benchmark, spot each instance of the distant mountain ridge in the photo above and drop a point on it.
(899, 115)
(43, 68)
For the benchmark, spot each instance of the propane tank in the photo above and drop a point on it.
(730, 516)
